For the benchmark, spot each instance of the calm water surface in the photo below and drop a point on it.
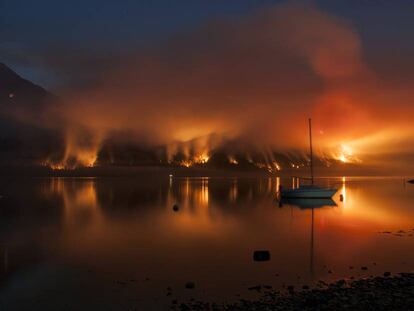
(110, 244)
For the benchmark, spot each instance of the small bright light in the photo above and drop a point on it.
(233, 160)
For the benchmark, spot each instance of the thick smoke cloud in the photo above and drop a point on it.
(254, 79)
(257, 77)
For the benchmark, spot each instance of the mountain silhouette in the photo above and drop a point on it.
(26, 134)
(16, 92)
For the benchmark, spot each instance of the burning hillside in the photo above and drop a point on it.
(234, 94)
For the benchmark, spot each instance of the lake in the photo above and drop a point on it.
(118, 243)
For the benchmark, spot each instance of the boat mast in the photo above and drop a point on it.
(310, 147)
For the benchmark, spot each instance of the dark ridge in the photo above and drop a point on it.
(26, 133)
(21, 90)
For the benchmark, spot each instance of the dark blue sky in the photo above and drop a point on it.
(29, 27)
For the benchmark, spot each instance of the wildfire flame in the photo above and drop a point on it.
(77, 153)
(198, 159)
(345, 154)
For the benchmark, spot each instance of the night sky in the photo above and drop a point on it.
(29, 29)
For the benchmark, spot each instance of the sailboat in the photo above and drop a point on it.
(309, 191)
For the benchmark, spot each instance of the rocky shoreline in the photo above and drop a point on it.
(390, 292)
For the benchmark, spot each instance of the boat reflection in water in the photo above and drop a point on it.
(304, 203)
(312, 204)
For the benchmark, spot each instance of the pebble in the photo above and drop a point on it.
(376, 293)
(190, 285)
(256, 288)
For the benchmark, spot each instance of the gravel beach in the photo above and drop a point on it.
(390, 292)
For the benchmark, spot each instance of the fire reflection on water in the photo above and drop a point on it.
(343, 191)
(202, 211)
(196, 212)
(79, 198)
(193, 193)
(131, 227)
(83, 210)
(233, 191)
(81, 204)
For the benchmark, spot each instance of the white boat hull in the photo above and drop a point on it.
(308, 193)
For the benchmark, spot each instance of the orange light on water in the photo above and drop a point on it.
(343, 191)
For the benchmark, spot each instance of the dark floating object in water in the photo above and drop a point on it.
(411, 181)
(364, 268)
(256, 288)
(341, 197)
(175, 208)
(190, 285)
(261, 255)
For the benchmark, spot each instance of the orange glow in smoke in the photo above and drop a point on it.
(345, 154)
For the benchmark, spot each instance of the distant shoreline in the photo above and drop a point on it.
(196, 171)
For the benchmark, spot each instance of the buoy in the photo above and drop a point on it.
(261, 255)
(341, 197)
(175, 208)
